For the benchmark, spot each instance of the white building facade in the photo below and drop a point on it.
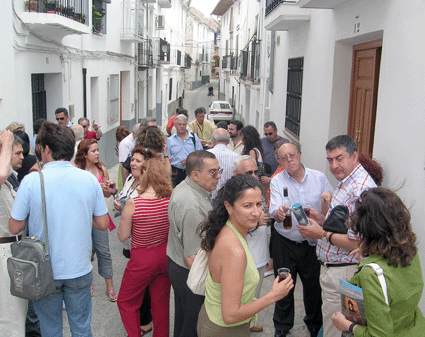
(353, 67)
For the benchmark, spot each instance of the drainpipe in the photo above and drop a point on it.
(85, 91)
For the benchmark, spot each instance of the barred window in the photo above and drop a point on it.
(293, 95)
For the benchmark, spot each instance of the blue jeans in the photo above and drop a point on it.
(76, 294)
(101, 247)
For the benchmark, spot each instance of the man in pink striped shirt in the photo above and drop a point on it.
(333, 250)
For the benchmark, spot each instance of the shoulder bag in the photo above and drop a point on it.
(30, 270)
(198, 273)
(336, 221)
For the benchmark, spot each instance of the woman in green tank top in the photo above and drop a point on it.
(232, 276)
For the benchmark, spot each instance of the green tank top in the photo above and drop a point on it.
(213, 290)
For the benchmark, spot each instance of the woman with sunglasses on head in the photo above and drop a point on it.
(145, 219)
(386, 238)
(232, 275)
(129, 191)
(87, 158)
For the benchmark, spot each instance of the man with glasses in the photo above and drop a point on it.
(268, 143)
(85, 123)
(334, 249)
(189, 205)
(289, 248)
(62, 117)
(257, 241)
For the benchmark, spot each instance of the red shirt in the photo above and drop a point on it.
(170, 123)
(90, 135)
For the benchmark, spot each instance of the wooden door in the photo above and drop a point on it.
(364, 94)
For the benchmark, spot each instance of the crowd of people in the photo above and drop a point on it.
(222, 189)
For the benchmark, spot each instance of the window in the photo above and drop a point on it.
(99, 16)
(114, 98)
(293, 95)
(38, 97)
(170, 96)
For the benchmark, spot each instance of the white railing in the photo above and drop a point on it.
(132, 24)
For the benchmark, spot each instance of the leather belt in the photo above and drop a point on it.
(329, 265)
(9, 239)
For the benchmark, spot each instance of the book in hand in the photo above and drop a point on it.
(352, 304)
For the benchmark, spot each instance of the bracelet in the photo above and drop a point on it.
(325, 233)
(330, 237)
(116, 191)
(350, 329)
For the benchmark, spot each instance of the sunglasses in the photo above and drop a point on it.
(268, 134)
(250, 173)
(60, 118)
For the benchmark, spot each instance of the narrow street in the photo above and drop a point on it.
(106, 320)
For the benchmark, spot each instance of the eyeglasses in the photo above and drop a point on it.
(60, 118)
(268, 134)
(290, 155)
(250, 173)
(215, 172)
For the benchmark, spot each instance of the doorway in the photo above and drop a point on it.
(364, 94)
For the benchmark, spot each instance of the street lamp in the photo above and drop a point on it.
(164, 49)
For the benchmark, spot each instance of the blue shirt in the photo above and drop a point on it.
(73, 197)
(268, 151)
(178, 149)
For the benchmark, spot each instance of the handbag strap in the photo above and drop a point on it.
(43, 202)
(380, 273)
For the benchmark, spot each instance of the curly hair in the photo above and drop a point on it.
(155, 175)
(217, 218)
(251, 139)
(80, 157)
(151, 138)
(373, 168)
(383, 222)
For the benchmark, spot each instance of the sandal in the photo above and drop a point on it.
(112, 295)
(92, 290)
(145, 332)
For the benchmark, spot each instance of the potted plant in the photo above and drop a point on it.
(97, 15)
(31, 5)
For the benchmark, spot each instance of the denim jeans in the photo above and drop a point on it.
(76, 294)
(101, 247)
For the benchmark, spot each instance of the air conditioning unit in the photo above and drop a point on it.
(160, 22)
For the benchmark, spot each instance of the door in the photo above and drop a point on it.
(364, 94)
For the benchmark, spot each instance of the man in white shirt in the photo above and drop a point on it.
(125, 147)
(289, 248)
(225, 157)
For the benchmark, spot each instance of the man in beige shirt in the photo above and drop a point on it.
(235, 133)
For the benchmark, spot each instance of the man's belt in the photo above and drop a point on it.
(329, 265)
(9, 239)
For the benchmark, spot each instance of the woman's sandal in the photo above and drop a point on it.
(145, 332)
(112, 295)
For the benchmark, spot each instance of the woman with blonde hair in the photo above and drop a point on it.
(145, 219)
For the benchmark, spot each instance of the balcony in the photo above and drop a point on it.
(145, 56)
(132, 24)
(272, 4)
(164, 3)
(160, 51)
(285, 16)
(331, 4)
(57, 18)
(226, 63)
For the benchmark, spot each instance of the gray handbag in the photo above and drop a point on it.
(30, 270)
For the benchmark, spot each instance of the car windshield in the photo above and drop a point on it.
(216, 106)
(224, 106)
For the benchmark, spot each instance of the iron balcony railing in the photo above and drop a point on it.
(145, 57)
(272, 4)
(77, 10)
